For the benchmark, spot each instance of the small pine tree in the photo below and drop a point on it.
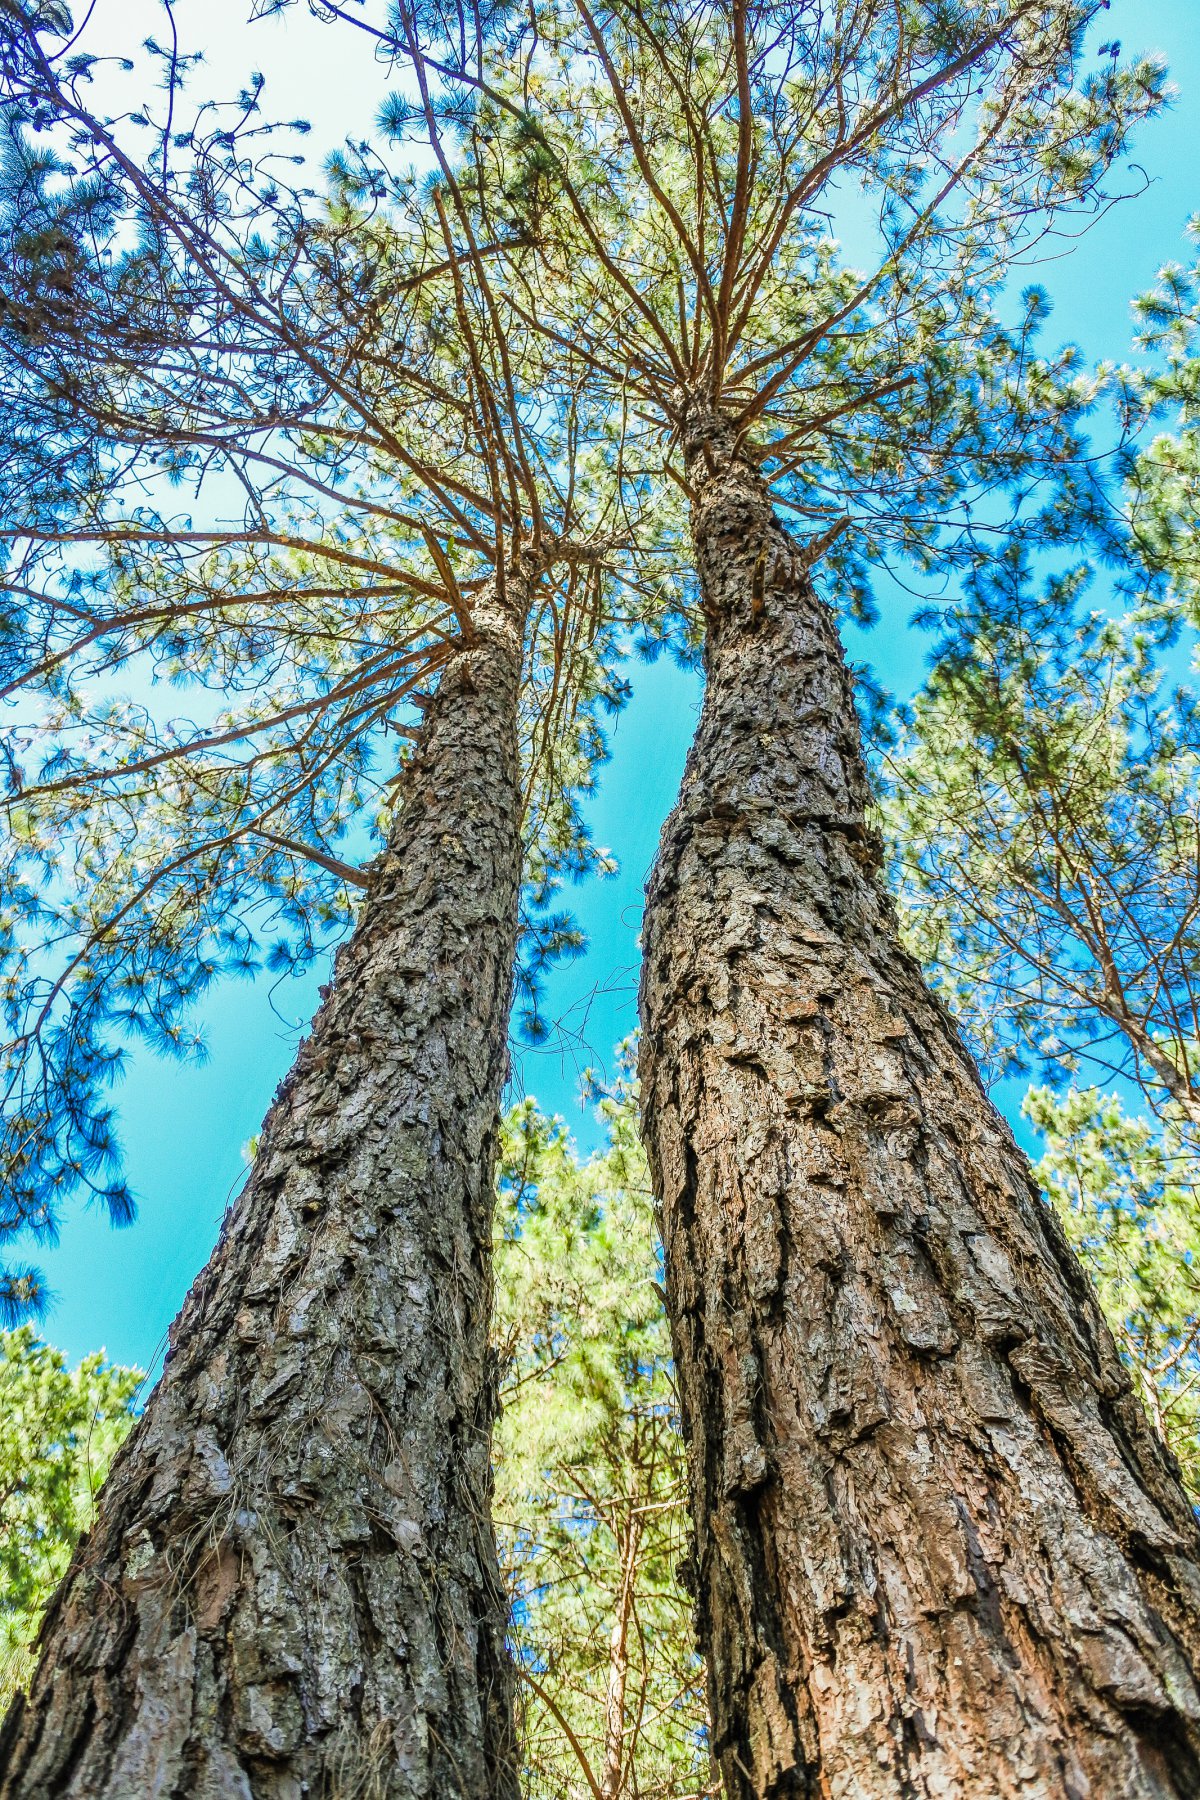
(59, 1430)
(1128, 1196)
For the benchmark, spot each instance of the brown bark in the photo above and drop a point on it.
(292, 1586)
(938, 1550)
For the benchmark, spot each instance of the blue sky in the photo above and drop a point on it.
(184, 1127)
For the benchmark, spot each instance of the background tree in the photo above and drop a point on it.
(1046, 843)
(1163, 478)
(59, 1430)
(1127, 1196)
(590, 1476)
(590, 1484)
(1045, 813)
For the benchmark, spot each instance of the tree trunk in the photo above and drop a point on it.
(938, 1551)
(628, 1545)
(292, 1588)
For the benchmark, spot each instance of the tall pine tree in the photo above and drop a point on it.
(937, 1545)
(291, 1584)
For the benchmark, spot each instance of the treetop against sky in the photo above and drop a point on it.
(214, 1109)
(205, 329)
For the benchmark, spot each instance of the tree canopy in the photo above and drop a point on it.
(264, 439)
(264, 447)
(691, 174)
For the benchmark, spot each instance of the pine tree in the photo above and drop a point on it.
(1044, 810)
(895, 1377)
(152, 388)
(937, 1545)
(291, 1583)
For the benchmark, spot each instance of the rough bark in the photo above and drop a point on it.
(292, 1587)
(938, 1551)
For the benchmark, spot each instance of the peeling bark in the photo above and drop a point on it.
(292, 1587)
(939, 1552)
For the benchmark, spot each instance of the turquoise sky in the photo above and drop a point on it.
(184, 1127)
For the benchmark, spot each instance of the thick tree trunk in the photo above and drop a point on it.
(292, 1588)
(938, 1551)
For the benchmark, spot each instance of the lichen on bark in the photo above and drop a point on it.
(939, 1551)
(292, 1588)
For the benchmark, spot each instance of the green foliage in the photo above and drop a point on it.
(1044, 810)
(590, 1499)
(1129, 1197)
(59, 1430)
(1044, 799)
(1163, 476)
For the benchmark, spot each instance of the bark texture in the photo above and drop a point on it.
(292, 1588)
(938, 1550)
